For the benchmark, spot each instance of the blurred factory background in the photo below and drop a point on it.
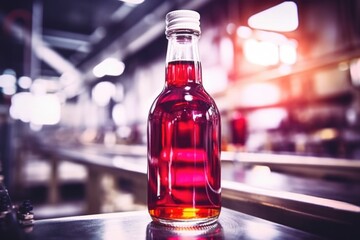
(77, 78)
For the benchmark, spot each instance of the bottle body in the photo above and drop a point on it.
(184, 177)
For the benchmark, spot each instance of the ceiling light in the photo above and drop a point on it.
(133, 1)
(103, 92)
(25, 82)
(44, 109)
(282, 18)
(110, 67)
(7, 79)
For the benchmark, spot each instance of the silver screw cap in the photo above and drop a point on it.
(182, 20)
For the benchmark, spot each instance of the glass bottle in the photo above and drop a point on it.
(184, 176)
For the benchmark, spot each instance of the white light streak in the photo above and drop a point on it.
(282, 18)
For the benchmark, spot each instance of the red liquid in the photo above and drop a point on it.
(239, 130)
(184, 149)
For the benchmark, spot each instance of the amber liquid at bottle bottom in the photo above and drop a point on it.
(185, 216)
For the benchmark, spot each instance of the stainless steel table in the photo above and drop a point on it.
(325, 217)
(138, 225)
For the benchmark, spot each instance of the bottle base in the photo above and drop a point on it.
(185, 217)
(185, 223)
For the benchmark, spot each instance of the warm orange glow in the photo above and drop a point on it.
(327, 134)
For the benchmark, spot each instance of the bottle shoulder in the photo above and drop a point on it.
(185, 98)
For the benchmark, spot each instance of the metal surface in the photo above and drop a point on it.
(293, 160)
(319, 215)
(138, 225)
(330, 218)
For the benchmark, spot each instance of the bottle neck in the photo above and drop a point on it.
(183, 65)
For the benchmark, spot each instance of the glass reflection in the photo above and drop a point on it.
(212, 232)
(261, 231)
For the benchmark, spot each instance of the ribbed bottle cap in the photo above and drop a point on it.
(182, 19)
